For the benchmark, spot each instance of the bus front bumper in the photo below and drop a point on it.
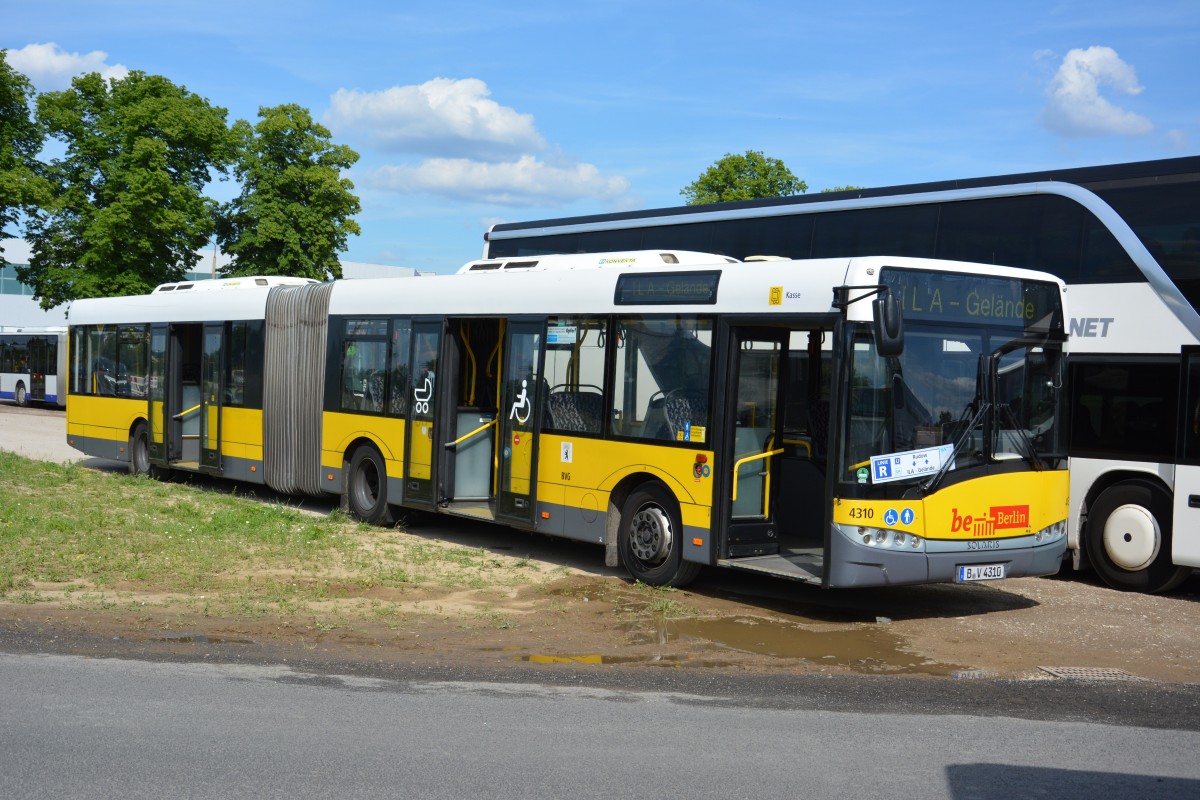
(873, 557)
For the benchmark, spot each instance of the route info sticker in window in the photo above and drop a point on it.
(909, 463)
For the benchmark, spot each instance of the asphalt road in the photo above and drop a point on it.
(84, 727)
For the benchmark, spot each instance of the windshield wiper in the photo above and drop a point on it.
(931, 484)
(1031, 451)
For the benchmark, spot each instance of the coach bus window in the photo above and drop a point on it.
(661, 386)
(575, 371)
(1167, 220)
(697, 237)
(900, 231)
(1127, 408)
(1191, 420)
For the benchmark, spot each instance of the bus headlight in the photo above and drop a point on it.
(1051, 533)
(888, 539)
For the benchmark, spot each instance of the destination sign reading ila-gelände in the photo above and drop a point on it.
(667, 288)
(957, 297)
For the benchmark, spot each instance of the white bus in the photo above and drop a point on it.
(33, 365)
(1126, 240)
(843, 422)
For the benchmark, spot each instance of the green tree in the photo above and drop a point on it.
(22, 188)
(743, 177)
(126, 211)
(294, 211)
(846, 188)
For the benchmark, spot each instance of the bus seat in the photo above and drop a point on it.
(684, 409)
(373, 395)
(576, 411)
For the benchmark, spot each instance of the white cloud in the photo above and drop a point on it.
(474, 149)
(1076, 106)
(1178, 140)
(526, 181)
(50, 68)
(441, 117)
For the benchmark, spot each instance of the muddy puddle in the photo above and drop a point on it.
(693, 642)
(863, 647)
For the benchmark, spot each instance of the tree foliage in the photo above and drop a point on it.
(294, 211)
(126, 210)
(846, 188)
(21, 186)
(743, 177)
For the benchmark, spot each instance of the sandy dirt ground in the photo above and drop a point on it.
(571, 609)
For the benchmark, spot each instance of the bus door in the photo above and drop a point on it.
(40, 363)
(472, 357)
(753, 440)
(420, 486)
(210, 398)
(520, 418)
(163, 448)
(175, 397)
(1185, 541)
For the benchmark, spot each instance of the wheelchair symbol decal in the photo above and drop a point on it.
(522, 402)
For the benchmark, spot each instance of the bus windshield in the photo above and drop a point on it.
(974, 394)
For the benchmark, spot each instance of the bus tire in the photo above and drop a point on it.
(22, 397)
(1128, 538)
(139, 451)
(366, 487)
(650, 538)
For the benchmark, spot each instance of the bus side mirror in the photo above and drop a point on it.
(889, 325)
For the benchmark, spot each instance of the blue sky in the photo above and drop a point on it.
(469, 113)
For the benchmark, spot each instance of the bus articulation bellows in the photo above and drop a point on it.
(843, 422)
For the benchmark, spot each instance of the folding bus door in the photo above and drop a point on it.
(753, 440)
(210, 397)
(520, 416)
(420, 482)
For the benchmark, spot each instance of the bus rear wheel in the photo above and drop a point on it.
(366, 487)
(649, 538)
(21, 396)
(1129, 539)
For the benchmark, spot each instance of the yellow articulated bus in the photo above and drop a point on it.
(844, 422)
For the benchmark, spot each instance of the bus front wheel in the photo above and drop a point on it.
(366, 487)
(1129, 539)
(650, 538)
(21, 396)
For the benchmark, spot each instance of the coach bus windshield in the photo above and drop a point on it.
(968, 390)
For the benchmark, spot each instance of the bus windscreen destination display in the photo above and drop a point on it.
(951, 297)
(667, 288)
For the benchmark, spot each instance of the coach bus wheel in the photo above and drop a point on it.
(1129, 539)
(366, 487)
(22, 397)
(139, 450)
(649, 538)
